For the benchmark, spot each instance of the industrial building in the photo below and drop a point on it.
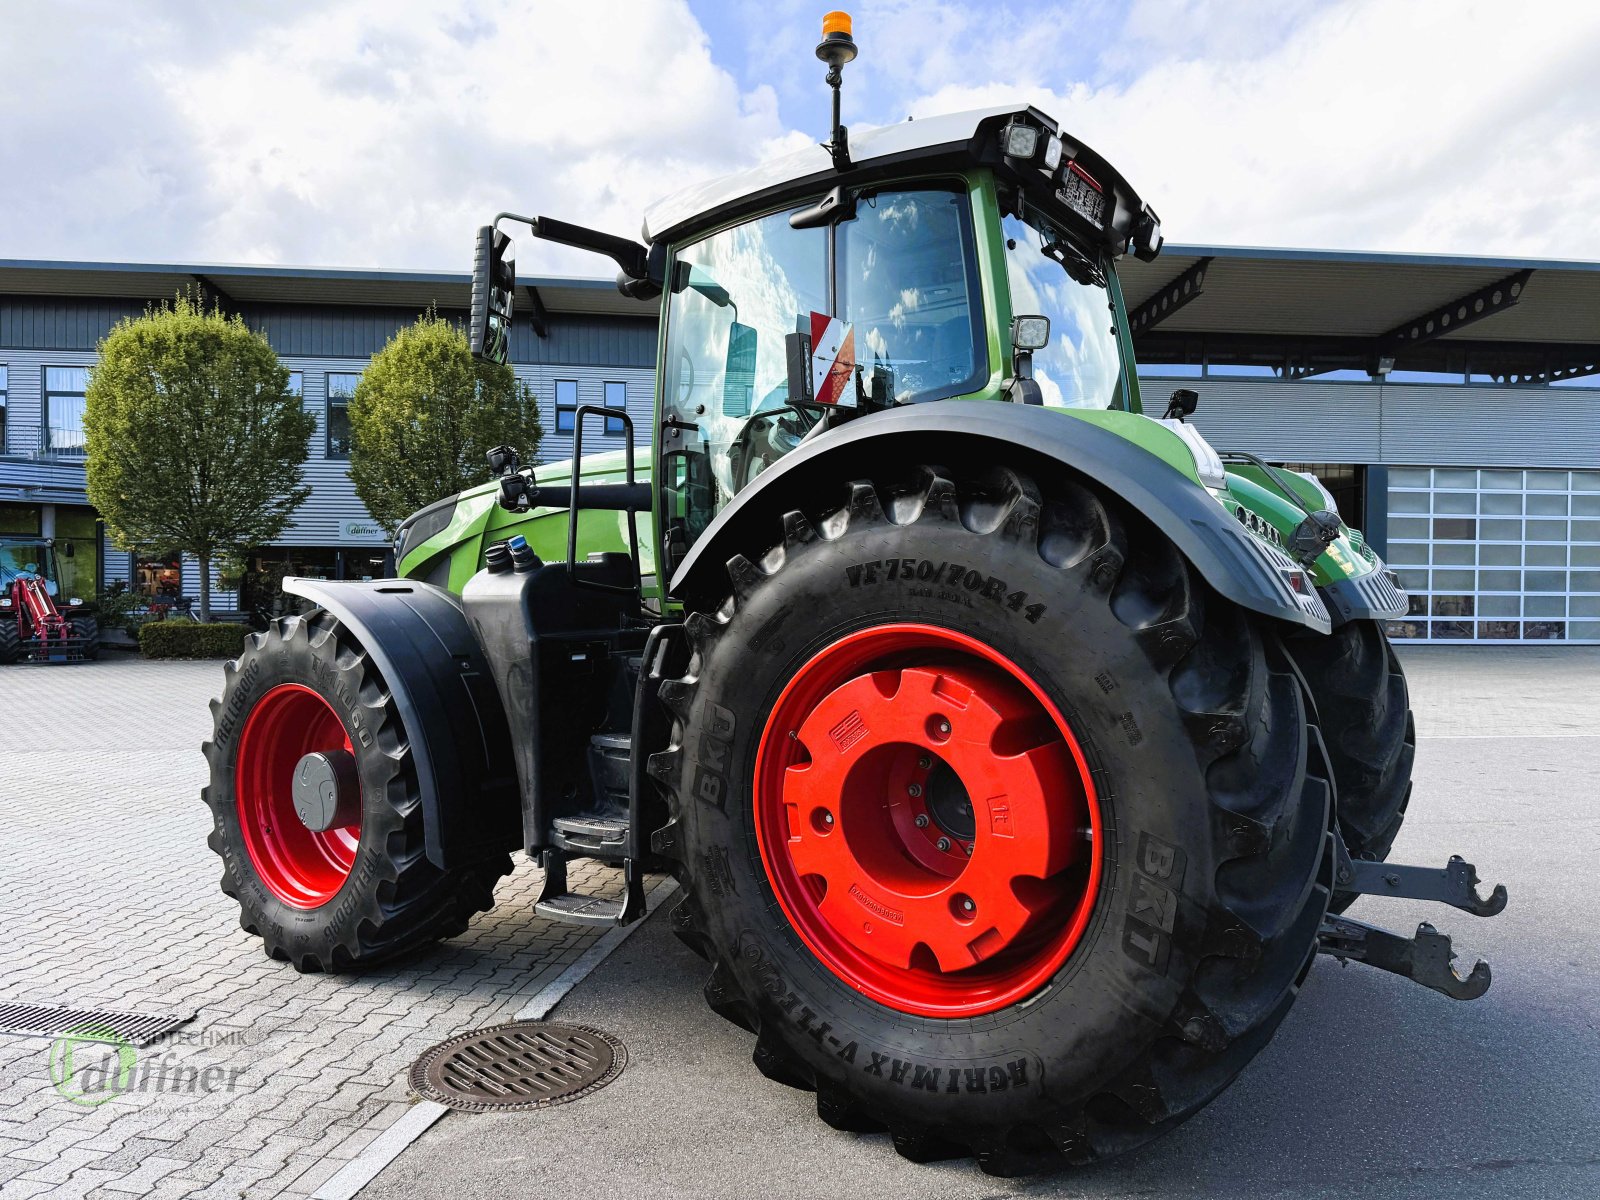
(1451, 404)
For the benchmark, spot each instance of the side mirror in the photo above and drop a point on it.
(1183, 403)
(503, 460)
(494, 282)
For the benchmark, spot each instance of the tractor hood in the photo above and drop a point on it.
(956, 141)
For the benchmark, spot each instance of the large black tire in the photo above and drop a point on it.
(10, 642)
(87, 631)
(1365, 712)
(393, 899)
(1217, 845)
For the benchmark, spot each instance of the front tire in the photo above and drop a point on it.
(1159, 956)
(10, 639)
(360, 890)
(87, 631)
(1360, 693)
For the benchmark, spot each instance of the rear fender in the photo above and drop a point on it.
(1237, 564)
(418, 638)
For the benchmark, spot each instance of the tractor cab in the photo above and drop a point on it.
(37, 622)
(970, 256)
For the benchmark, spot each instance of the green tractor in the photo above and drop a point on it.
(1016, 751)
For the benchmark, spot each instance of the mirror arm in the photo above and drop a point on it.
(633, 257)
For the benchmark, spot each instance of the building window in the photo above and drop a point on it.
(3, 380)
(297, 382)
(616, 397)
(63, 409)
(566, 405)
(341, 386)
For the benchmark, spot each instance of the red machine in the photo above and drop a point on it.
(34, 627)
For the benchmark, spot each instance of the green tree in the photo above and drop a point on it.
(195, 441)
(423, 416)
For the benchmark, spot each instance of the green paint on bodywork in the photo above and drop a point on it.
(1143, 432)
(479, 521)
(1346, 558)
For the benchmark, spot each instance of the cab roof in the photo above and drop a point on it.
(956, 140)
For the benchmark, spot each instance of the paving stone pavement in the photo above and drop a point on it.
(109, 900)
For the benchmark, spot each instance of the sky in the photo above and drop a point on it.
(381, 133)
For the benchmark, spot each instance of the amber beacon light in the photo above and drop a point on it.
(836, 48)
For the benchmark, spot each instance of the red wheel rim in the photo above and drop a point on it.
(863, 767)
(303, 868)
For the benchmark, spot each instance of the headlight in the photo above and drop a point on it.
(1019, 141)
(73, 601)
(1052, 153)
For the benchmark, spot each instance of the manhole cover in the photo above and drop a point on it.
(519, 1065)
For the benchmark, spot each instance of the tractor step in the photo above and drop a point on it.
(559, 904)
(599, 836)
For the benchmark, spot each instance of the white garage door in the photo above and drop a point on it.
(1496, 555)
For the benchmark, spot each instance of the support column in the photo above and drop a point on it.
(1375, 520)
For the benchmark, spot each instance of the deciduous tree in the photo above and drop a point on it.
(195, 442)
(423, 416)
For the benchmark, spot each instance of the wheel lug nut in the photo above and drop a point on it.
(943, 843)
(944, 726)
(924, 763)
(967, 904)
(827, 818)
(922, 820)
(969, 849)
(914, 790)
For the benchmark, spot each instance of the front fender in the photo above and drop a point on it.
(1239, 566)
(417, 636)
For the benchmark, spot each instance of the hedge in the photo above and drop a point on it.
(189, 639)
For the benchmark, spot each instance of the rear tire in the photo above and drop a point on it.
(359, 893)
(87, 631)
(1365, 712)
(1211, 797)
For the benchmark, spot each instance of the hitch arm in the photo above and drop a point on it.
(1426, 958)
(1455, 884)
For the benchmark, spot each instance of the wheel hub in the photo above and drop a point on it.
(922, 812)
(327, 790)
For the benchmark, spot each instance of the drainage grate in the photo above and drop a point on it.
(52, 1020)
(519, 1065)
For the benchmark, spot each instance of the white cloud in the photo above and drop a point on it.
(1376, 125)
(365, 132)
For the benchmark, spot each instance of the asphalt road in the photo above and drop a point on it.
(1373, 1087)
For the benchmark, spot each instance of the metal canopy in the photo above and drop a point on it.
(1323, 310)
(1315, 310)
(246, 285)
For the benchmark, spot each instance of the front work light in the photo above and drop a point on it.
(1030, 333)
(1052, 153)
(1019, 141)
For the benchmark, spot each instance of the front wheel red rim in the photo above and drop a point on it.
(928, 821)
(302, 867)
